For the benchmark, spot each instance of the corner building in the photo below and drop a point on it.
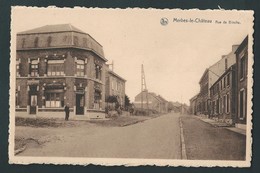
(56, 65)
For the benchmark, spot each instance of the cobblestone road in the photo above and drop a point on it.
(154, 138)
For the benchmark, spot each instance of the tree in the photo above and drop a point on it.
(127, 101)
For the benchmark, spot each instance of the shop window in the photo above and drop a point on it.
(34, 68)
(80, 67)
(242, 67)
(97, 99)
(54, 99)
(55, 68)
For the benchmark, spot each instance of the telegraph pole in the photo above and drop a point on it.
(144, 90)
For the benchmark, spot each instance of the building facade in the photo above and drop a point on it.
(209, 77)
(242, 83)
(193, 103)
(223, 97)
(115, 86)
(58, 65)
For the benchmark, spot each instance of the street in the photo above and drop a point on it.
(156, 138)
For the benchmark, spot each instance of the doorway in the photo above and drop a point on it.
(33, 104)
(79, 104)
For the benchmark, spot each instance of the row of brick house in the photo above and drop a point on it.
(58, 65)
(223, 88)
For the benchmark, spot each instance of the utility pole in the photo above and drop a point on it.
(144, 91)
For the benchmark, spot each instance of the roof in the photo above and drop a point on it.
(228, 70)
(52, 28)
(242, 45)
(161, 98)
(206, 71)
(194, 97)
(176, 104)
(110, 71)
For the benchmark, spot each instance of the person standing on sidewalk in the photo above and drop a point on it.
(67, 112)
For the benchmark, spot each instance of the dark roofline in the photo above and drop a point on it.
(243, 44)
(110, 71)
(194, 97)
(48, 32)
(65, 47)
(203, 74)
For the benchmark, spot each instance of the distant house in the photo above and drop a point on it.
(115, 86)
(155, 102)
(176, 107)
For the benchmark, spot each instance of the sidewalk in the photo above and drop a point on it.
(222, 124)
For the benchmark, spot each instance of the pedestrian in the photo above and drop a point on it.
(67, 112)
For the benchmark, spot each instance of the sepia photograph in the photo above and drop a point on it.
(164, 87)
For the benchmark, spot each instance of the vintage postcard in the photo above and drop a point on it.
(164, 87)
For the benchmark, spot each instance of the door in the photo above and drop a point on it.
(79, 104)
(33, 104)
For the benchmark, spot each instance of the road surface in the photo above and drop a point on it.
(155, 138)
(205, 142)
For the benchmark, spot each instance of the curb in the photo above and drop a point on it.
(183, 147)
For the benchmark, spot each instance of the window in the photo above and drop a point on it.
(34, 68)
(242, 104)
(242, 67)
(228, 103)
(85, 42)
(17, 68)
(220, 105)
(225, 103)
(228, 79)
(36, 42)
(23, 42)
(75, 40)
(54, 98)
(224, 82)
(221, 84)
(16, 99)
(80, 67)
(217, 106)
(49, 41)
(55, 68)
(98, 71)
(226, 64)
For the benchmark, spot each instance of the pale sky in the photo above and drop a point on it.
(174, 56)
